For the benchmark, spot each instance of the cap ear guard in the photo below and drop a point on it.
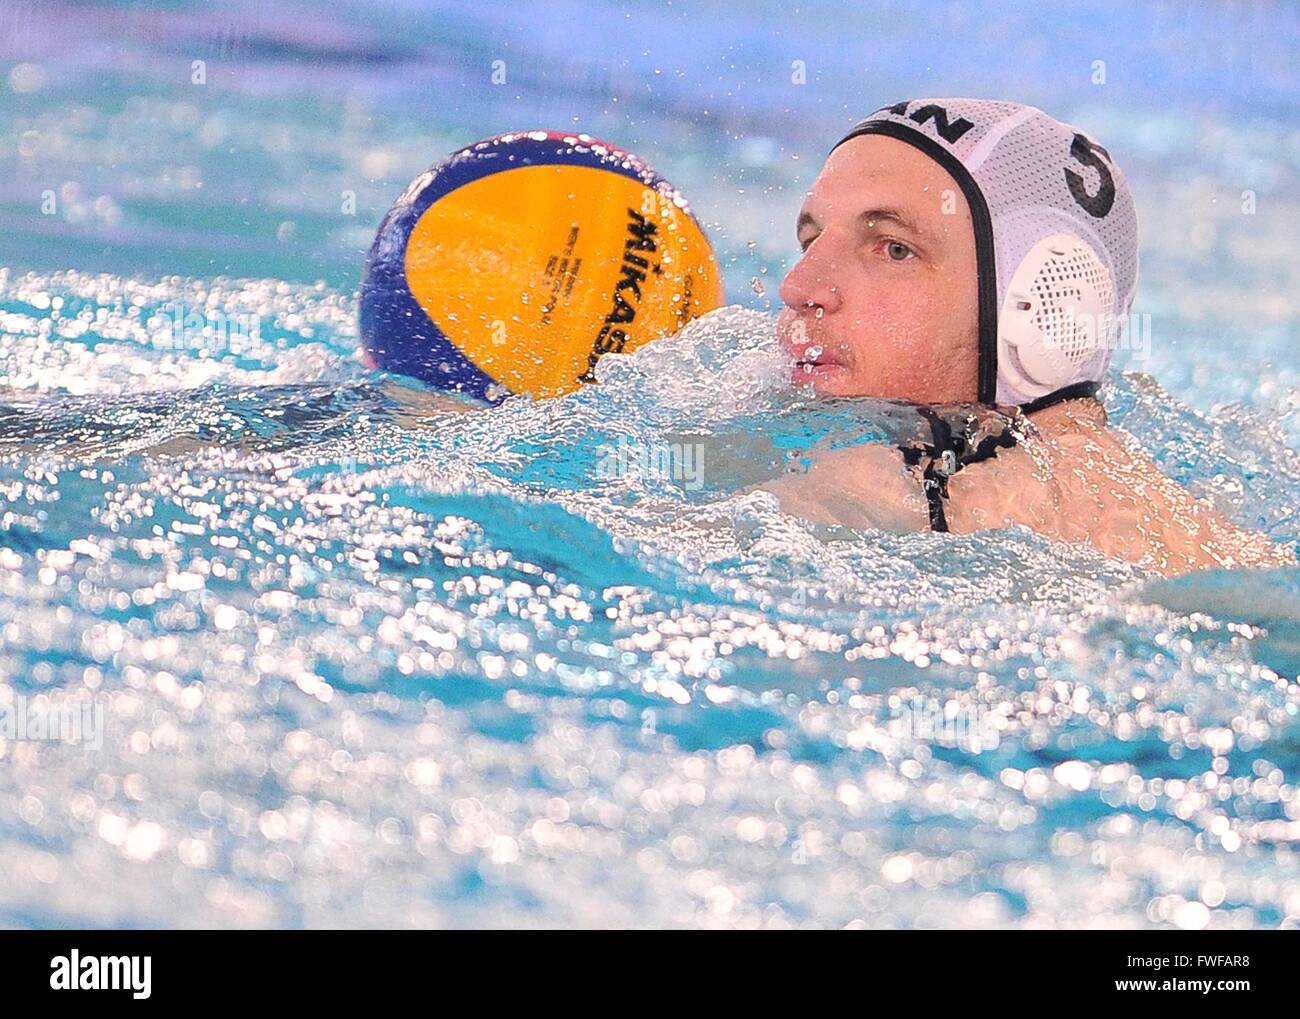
(1057, 314)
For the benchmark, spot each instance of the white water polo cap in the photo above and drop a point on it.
(1055, 239)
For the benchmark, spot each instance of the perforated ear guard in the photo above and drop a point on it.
(1056, 316)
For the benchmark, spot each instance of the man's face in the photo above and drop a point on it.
(884, 301)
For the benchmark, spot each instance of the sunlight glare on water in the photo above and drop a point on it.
(345, 642)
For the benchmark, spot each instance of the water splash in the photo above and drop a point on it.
(366, 657)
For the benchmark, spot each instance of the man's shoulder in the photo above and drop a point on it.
(1013, 486)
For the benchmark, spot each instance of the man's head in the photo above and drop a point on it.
(960, 250)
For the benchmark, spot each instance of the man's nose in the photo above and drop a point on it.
(810, 284)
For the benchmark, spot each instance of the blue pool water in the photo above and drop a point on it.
(360, 658)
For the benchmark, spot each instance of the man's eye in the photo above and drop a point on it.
(898, 251)
(806, 242)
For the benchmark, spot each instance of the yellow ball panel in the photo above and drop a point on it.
(536, 272)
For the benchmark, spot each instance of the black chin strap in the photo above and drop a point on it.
(950, 449)
(1078, 391)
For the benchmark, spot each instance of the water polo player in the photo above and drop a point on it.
(975, 259)
(968, 252)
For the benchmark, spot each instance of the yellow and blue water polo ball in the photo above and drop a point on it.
(517, 263)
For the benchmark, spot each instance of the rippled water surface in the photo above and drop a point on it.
(363, 657)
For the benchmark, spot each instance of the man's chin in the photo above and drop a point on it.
(823, 380)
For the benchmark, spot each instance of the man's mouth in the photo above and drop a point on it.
(813, 362)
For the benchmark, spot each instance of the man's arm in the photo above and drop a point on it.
(865, 486)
